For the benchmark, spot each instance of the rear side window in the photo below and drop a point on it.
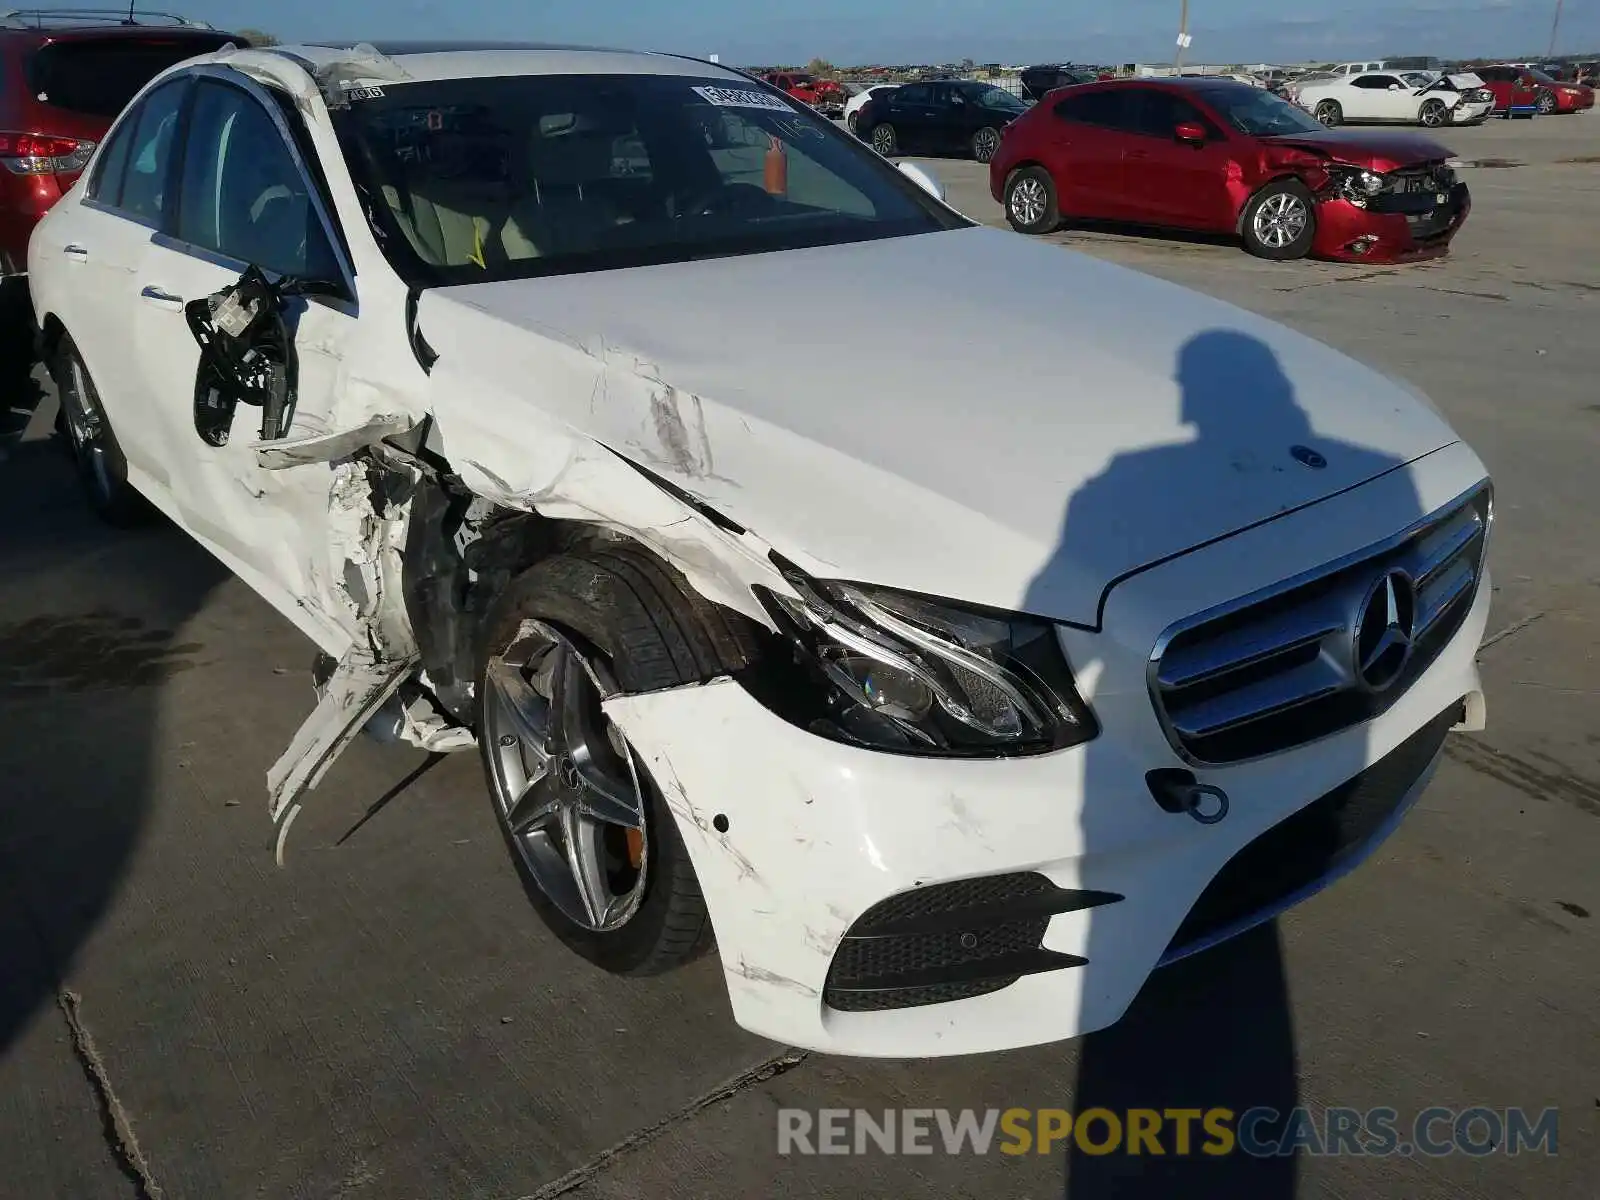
(145, 195)
(1104, 109)
(98, 77)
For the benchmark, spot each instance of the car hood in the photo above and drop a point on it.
(1371, 150)
(1015, 425)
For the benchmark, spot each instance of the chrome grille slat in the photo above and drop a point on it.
(1237, 649)
(1445, 590)
(1441, 547)
(1279, 668)
(1276, 693)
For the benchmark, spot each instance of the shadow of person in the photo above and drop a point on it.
(1214, 1030)
(90, 630)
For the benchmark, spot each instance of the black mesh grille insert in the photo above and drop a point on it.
(951, 941)
(1315, 841)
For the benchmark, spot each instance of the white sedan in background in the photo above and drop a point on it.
(958, 673)
(852, 110)
(1382, 97)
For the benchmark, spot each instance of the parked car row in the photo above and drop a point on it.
(1435, 99)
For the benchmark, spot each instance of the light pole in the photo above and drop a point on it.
(1555, 25)
(1183, 34)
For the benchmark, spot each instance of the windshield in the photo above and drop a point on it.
(992, 97)
(1417, 79)
(473, 180)
(1258, 112)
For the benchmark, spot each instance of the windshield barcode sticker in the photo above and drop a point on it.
(744, 98)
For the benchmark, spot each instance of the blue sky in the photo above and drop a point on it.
(846, 31)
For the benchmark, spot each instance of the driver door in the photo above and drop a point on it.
(245, 198)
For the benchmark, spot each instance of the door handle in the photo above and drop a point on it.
(75, 253)
(162, 298)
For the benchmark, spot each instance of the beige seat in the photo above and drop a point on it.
(452, 224)
(559, 210)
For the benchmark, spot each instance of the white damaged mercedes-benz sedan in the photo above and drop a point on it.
(952, 663)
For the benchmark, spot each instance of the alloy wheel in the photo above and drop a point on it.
(1547, 103)
(1280, 220)
(1028, 201)
(883, 140)
(1328, 114)
(985, 144)
(1433, 115)
(85, 430)
(565, 782)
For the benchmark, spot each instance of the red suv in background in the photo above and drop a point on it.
(64, 77)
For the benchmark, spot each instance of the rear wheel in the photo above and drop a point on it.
(102, 469)
(884, 140)
(592, 839)
(1031, 204)
(985, 144)
(1330, 113)
(852, 120)
(1280, 222)
(1434, 114)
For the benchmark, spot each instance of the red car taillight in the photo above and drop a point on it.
(43, 153)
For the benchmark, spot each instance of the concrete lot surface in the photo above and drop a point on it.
(383, 1019)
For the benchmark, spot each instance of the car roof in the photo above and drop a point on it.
(436, 60)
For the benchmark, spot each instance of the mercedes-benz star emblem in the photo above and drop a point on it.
(1385, 630)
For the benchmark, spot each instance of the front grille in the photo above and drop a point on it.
(1315, 843)
(951, 941)
(1280, 668)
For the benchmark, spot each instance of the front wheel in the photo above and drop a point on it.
(1330, 113)
(1547, 103)
(1031, 204)
(595, 845)
(884, 140)
(985, 144)
(102, 469)
(1280, 222)
(1434, 114)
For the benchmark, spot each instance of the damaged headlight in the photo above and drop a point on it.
(905, 673)
(1358, 186)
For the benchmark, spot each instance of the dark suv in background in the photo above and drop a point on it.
(65, 74)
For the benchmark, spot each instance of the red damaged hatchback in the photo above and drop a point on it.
(1211, 155)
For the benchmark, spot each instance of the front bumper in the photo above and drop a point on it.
(1394, 228)
(796, 839)
(1472, 114)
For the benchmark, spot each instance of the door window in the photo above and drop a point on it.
(910, 94)
(1105, 109)
(1157, 114)
(1377, 83)
(145, 167)
(244, 196)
